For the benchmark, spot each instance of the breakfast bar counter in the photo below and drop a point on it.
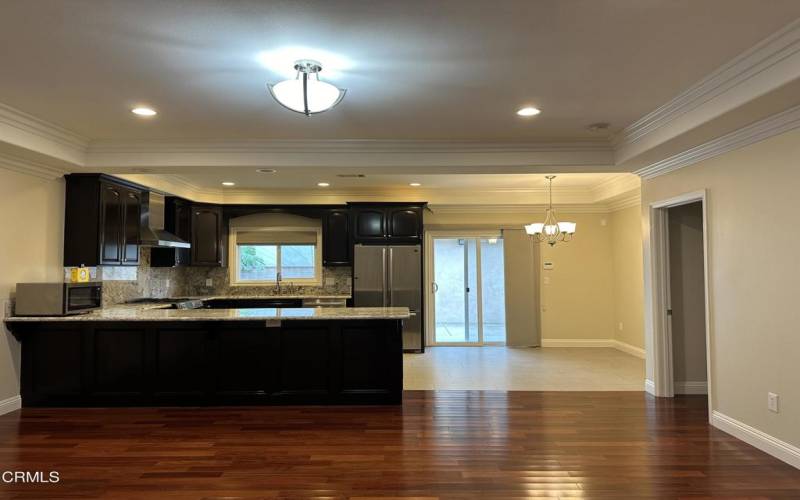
(134, 356)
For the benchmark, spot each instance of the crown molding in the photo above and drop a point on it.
(772, 54)
(343, 146)
(27, 132)
(537, 208)
(755, 132)
(631, 199)
(23, 121)
(30, 167)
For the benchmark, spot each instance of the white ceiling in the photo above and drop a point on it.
(414, 69)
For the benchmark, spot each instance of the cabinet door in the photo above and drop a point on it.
(405, 224)
(111, 224)
(182, 217)
(370, 225)
(336, 245)
(206, 236)
(132, 203)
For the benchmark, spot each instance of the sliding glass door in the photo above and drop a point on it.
(467, 290)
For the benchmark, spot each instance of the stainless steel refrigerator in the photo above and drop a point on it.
(391, 276)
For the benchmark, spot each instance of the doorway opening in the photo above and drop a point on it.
(681, 331)
(467, 290)
(686, 309)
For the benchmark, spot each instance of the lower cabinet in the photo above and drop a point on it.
(215, 363)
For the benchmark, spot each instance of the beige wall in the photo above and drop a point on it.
(31, 246)
(754, 277)
(626, 249)
(579, 302)
(687, 292)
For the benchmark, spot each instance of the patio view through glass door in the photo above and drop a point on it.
(468, 291)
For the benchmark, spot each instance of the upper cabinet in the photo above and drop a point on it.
(199, 224)
(387, 223)
(102, 221)
(336, 244)
(208, 242)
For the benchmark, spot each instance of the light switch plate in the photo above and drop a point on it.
(209, 282)
(773, 402)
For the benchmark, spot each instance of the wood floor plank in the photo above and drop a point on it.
(450, 444)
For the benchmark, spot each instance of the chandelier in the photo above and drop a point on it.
(306, 93)
(551, 231)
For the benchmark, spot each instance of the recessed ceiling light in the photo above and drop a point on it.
(266, 170)
(144, 111)
(415, 184)
(529, 111)
(323, 184)
(228, 183)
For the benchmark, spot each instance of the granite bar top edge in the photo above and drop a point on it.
(264, 314)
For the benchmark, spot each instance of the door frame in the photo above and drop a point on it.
(428, 273)
(659, 292)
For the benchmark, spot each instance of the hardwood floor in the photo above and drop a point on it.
(452, 444)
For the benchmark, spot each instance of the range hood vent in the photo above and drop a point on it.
(153, 233)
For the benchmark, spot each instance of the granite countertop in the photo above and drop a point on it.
(159, 313)
(261, 297)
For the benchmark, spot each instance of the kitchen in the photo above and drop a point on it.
(158, 307)
(451, 249)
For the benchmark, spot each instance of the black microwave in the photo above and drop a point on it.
(57, 299)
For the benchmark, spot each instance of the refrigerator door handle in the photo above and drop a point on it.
(383, 270)
(390, 288)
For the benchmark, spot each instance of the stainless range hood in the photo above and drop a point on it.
(153, 233)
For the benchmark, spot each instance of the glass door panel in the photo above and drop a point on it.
(493, 292)
(449, 285)
(468, 291)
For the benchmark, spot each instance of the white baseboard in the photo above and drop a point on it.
(10, 404)
(691, 387)
(754, 437)
(577, 343)
(649, 387)
(630, 349)
(616, 344)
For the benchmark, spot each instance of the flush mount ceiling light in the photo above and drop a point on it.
(143, 111)
(551, 231)
(228, 183)
(323, 184)
(528, 111)
(414, 184)
(306, 93)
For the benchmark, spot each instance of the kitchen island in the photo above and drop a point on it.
(151, 356)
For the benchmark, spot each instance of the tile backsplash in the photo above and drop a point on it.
(125, 283)
(336, 281)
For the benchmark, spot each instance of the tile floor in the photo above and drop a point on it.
(523, 369)
(455, 332)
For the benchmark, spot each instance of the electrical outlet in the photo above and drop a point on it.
(546, 280)
(773, 401)
(620, 326)
(209, 282)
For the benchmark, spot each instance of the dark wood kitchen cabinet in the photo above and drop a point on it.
(102, 221)
(199, 224)
(387, 223)
(207, 236)
(337, 249)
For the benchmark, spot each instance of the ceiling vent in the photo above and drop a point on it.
(351, 176)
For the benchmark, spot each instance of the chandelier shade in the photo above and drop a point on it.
(551, 231)
(306, 93)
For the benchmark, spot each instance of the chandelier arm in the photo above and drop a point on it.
(305, 93)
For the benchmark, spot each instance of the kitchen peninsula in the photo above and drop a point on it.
(157, 356)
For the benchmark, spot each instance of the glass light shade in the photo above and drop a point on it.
(321, 95)
(567, 227)
(550, 229)
(535, 228)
